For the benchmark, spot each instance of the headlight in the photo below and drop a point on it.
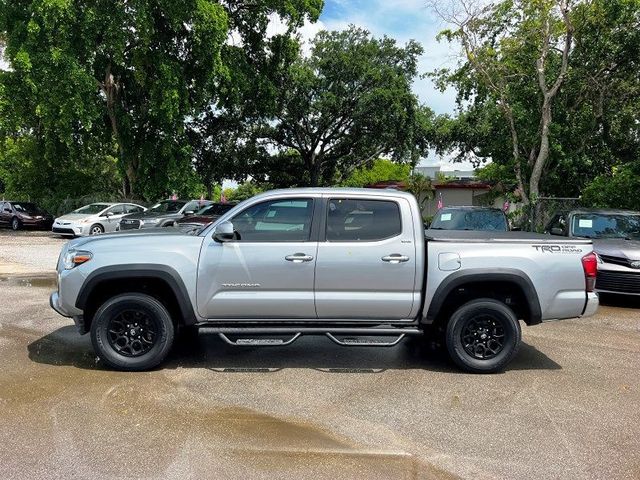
(73, 258)
(86, 220)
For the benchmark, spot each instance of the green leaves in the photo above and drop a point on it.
(349, 103)
(94, 80)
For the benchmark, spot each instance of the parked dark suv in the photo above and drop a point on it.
(616, 240)
(204, 216)
(163, 214)
(24, 214)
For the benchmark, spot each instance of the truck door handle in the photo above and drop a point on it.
(395, 258)
(298, 258)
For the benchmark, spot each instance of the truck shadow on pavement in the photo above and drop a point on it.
(64, 347)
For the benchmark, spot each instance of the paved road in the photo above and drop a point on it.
(566, 408)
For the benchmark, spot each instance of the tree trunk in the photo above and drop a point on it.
(111, 89)
(313, 165)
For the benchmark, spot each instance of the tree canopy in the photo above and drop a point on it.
(347, 104)
(549, 89)
(120, 79)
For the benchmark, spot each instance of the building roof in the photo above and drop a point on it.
(464, 183)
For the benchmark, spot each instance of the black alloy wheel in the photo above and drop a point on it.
(483, 336)
(133, 332)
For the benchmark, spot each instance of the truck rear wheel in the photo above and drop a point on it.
(132, 332)
(483, 336)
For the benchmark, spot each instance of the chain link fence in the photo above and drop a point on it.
(543, 210)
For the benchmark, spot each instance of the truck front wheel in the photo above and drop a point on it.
(483, 336)
(132, 332)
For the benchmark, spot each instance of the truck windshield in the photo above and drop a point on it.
(604, 225)
(470, 219)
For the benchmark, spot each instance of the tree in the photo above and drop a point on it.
(348, 103)
(422, 189)
(380, 170)
(135, 69)
(617, 190)
(511, 48)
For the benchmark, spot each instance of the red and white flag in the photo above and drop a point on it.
(174, 197)
(440, 203)
(223, 199)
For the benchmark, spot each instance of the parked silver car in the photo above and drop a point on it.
(616, 240)
(94, 218)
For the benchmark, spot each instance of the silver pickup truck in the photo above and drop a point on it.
(355, 265)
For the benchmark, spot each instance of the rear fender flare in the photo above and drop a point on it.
(476, 275)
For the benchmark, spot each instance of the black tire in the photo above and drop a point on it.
(483, 336)
(15, 224)
(124, 346)
(96, 229)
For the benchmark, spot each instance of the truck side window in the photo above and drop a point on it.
(275, 221)
(353, 220)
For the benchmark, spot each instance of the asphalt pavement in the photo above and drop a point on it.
(567, 406)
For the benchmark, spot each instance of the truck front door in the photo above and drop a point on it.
(267, 271)
(366, 265)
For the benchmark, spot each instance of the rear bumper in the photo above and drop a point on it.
(591, 306)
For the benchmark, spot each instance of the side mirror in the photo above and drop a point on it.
(557, 231)
(223, 232)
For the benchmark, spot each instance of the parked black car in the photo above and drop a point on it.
(470, 218)
(18, 215)
(163, 214)
(204, 216)
(616, 240)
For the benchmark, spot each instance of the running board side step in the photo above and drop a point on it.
(259, 342)
(356, 342)
(248, 340)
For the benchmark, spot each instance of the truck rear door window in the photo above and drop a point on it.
(354, 220)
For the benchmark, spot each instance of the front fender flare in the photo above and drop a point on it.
(122, 272)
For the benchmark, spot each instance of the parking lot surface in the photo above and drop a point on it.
(567, 407)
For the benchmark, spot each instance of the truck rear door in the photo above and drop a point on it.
(366, 262)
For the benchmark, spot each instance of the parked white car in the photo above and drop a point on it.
(94, 219)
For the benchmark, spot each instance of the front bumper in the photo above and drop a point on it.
(618, 279)
(75, 229)
(54, 302)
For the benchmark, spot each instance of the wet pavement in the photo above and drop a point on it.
(567, 407)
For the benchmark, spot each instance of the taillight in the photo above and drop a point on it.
(590, 267)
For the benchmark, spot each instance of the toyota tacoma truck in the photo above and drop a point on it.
(355, 265)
